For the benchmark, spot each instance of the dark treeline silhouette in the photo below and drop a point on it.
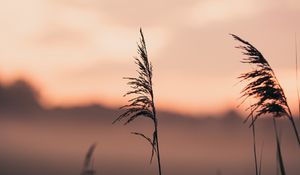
(19, 96)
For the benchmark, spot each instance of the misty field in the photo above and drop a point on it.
(55, 142)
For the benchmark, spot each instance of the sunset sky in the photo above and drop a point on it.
(77, 51)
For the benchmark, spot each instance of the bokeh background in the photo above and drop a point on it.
(61, 69)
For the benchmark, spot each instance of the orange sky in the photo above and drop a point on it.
(77, 51)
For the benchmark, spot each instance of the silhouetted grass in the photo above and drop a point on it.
(266, 89)
(278, 149)
(264, 86)
(260, 160)
(88, 162)
(254, 147)
(297, 76)
(142, 103)
(258, 165)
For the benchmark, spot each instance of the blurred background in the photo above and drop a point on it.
(61, 69)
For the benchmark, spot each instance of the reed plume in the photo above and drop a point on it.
(142, 102)
(264, 86)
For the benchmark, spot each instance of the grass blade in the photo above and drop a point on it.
(278, 149)
(254, 147)
(297, 76)
(260, 159)
(88, 162)
(142, 104)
